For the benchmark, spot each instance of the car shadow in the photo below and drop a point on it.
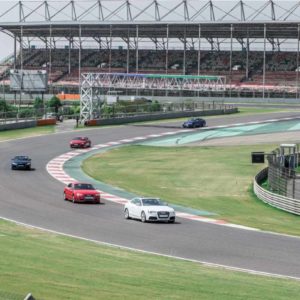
(24, 170)
(154, 222)
(166, 223)
(86, 203)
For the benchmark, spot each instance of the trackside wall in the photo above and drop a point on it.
(18, 125)
(160, 116)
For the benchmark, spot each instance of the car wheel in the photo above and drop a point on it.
(171, 221)
(126, 214)
(143, 217)
(65, 198)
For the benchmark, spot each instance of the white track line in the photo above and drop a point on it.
(204, 263)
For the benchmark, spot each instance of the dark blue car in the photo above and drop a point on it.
(193, 123)
(21, 162)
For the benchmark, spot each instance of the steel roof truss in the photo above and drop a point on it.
(229, 13)
(199, 12)
(57, 12)
(290, 12)
(143, 11)
(33, 11)
(115, 12)
(172, 10)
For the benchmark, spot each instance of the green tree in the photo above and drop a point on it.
(38, 103)
(4, 106)
(55, 103)
(155, 106)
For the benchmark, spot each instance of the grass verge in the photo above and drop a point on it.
(26, 132)
(215, 179)
(56, 267)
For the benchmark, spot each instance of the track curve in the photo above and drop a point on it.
(35, 198)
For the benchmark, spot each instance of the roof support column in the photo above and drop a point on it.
(264, 63)
(199, 50)
(21, 49)
(230, 58)
(297, 69)
(50, 54)
(247, 55)
(79, 58)
(127, 56)
(110, 45)
(15, 51)
(184, 53)
(21, 56)
(137, 50)
(69, 56)
(167, 50)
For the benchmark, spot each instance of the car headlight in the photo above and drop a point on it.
(79, 194)
(28, 163)
(14, 163)
(152, 212)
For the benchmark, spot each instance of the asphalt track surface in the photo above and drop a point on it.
(35, 198)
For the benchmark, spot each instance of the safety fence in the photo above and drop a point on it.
(282, 184)
(288, 204)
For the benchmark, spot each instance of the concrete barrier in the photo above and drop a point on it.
(18, 125)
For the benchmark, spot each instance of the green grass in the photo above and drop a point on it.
(264, 110)
(56, 267)
(27, 132)
(215, 179)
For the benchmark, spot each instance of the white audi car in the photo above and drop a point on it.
(149, 209)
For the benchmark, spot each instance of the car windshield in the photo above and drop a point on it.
(151, 202)
(78, 138)
(22, 158)
(83, 186)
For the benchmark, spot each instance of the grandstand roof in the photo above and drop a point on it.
(284, 30)
(120, 18)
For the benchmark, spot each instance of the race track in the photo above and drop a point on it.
(35, 198)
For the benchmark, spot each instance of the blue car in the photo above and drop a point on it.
(21, 162)
(193, 123)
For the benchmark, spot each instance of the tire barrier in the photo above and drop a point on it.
(45, 122)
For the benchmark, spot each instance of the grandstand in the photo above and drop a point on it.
(254, 44)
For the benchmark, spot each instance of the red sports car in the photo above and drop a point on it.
(80, 142)
(81, 192)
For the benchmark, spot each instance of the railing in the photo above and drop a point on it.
(281, 202)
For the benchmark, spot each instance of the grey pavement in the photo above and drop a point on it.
(66, 125)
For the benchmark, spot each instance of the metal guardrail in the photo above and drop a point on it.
(290, 205)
